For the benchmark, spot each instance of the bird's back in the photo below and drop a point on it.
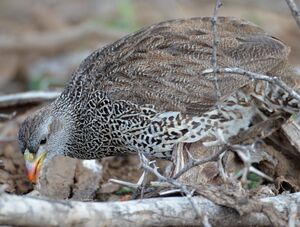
(162, 64)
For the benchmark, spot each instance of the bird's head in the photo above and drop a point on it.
(41, 137)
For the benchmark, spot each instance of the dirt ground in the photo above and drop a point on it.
(42, 42)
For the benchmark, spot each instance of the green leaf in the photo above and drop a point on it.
(253, 180)
(123, 191)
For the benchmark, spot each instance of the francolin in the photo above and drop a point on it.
(146, 93)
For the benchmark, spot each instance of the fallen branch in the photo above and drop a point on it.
(159, 212)
(295, 11)
(27, 98)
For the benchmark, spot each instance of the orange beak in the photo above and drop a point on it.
(34, 164)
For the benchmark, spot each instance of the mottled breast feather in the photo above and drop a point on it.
(162, 64)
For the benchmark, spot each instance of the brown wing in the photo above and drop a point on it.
(162, 64)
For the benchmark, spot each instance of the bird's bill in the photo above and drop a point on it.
(34, 163)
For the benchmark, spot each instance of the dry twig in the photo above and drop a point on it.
(146, 164)
(214, 63)
(4, 116)
(295, 11)
(194, 162)
(124, 183)
(257, 76)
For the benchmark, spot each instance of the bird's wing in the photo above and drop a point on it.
(162, 64)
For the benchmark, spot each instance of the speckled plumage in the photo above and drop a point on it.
(146, 92)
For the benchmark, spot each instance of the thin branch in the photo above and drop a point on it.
(142, 183)
(124, 183)
(295, 11)
(193, 162)
(242, 151)
(214, 60)
(183, 188)
(244, 155)
(139, 186)
(169, 192)
(10, 116)
(154, 170)
(257, 76)
(27, 97)
(205, 222)
(261, 174)
(159, 184)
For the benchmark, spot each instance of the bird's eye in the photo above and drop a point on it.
(43, 141)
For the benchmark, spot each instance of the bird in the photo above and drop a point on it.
(146, 93)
